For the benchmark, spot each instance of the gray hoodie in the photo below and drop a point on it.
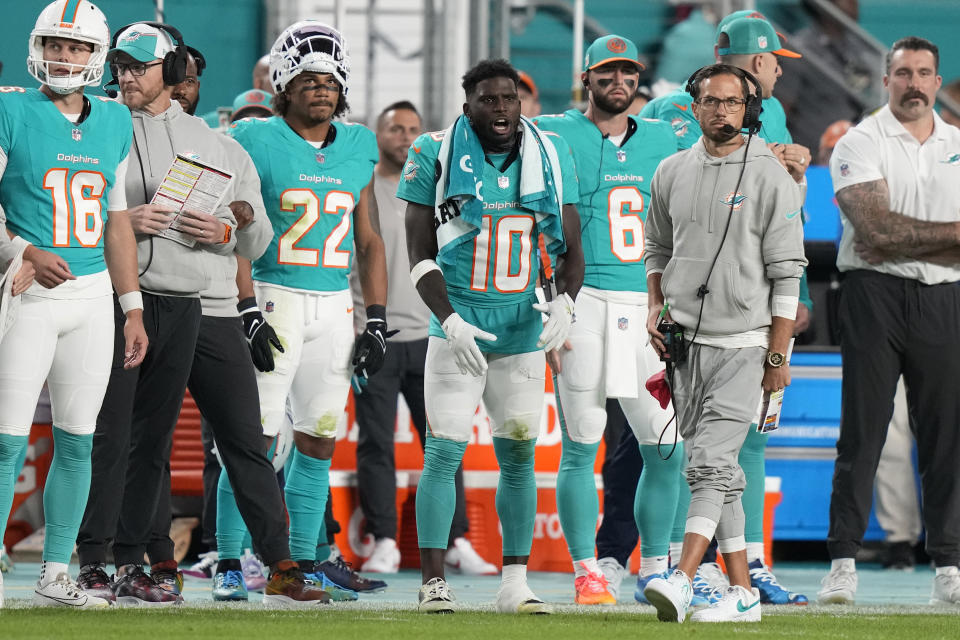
(762, 258)
(168, 267)
(220, 297)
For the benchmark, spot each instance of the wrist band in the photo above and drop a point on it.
(130, 301)
(421, 269)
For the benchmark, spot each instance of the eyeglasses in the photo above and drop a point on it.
(135, 68)
(731, 105)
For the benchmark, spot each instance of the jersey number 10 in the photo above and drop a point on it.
(506, 278)
(79, 199)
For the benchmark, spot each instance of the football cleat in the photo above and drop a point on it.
(288, 588)
(642, 582)
(670, 595)
(515, 596)
(94, 581)
(592, 589)
(436, 597)
(838, 587)
(709, 583)
(63, 592)
(385, 557)
(134, 588)
(613, 572)
(336, 592)
(228, 586)
(770, 590)
(167, 576)
(204, 567)
(253, 572)
(463, 558)
(340, 573)
(737, 605)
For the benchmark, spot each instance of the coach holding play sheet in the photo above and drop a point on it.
(897, 179)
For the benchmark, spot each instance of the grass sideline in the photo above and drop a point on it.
(343, 623)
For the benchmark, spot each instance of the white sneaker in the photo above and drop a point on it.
(671, 596)
(63, 592)
(946, 588)
(614, 573)
(464, 558)
(436, 597)
(516, 597)
(839, 587)
(384, 559)
(204, 567)
(6, 564)
(737, 605)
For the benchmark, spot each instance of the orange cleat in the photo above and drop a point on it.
(592, 589)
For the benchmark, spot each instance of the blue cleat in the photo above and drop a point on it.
(335, 591)
(228, 586)
(709, 585)
(770, 590)
(643, 581)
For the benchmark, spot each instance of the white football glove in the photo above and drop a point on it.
(559, 318)
(462, 338)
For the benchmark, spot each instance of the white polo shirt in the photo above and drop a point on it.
(923, 179)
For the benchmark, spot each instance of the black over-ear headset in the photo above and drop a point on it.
(754, 104)
(175, 62)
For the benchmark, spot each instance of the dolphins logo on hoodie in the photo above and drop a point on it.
(736, 201)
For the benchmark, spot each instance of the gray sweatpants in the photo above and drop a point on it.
(716, 392)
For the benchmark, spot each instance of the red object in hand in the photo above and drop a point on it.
(658, 388)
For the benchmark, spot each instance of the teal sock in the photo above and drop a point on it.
(658, 493)
(754, 469)
(437, 491)
(12, 452)
(65, 493)
(230, 525)
(306, 494)
(247, 539)
(323, 547)
(21, 459)
(683, 507)
(577, 502)
(517, 494)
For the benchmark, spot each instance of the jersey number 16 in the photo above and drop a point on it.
(79, 199)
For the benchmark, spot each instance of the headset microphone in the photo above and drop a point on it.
(728, 129)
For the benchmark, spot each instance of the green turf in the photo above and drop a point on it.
(344, 624)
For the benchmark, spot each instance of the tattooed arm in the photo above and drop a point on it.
(885, 235)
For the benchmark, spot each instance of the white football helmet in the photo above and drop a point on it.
(76, 20)
(308, 45)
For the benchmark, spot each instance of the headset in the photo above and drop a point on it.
(754, 104)
(174, 63)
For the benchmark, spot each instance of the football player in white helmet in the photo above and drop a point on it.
(63, 195)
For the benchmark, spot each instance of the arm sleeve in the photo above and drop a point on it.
(117, 198)
(418, 179)
(658, 242)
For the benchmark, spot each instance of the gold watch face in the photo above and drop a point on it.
(775, 359)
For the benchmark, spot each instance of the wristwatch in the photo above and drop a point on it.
(775, 359)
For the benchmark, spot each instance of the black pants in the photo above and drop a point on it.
(223, 383)
(889, 326)
(131, 445)
(402, 372)
(618, 534)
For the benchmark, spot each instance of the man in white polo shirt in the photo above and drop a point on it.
(897, 180)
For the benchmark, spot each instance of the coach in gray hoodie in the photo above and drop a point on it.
(724, 250)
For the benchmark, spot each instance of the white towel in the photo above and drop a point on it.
(9, 303)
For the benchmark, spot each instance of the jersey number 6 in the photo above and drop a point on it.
(624, 206)
(83, 191)
(338, 203)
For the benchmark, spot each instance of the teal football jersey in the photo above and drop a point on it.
(675, 108)
(614, 194)
(310, 195)
(58, 175)
(497, 268)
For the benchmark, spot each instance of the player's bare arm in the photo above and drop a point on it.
(422, 245)
(371, 257)
(120, 254)
(867, 206)
(570, 265)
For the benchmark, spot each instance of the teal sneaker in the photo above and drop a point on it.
(335, 591)
(228, 586)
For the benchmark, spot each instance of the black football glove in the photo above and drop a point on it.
(260, 335)
(371, 345)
